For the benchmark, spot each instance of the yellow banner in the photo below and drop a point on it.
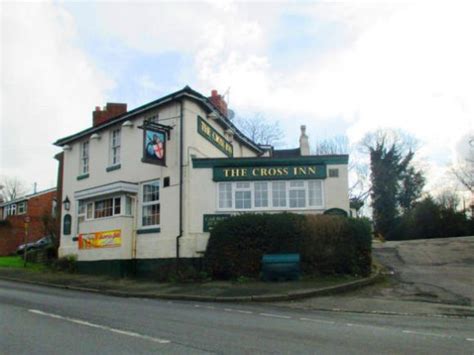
(107, 239)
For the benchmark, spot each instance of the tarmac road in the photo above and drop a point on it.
(430, 270)
(41, 320)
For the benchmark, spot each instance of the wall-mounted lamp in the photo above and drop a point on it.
(67, 204)
(127, 123)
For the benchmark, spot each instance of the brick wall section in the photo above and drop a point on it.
(12, 236)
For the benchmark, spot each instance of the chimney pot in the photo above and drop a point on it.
(97, 108)
(214, 93)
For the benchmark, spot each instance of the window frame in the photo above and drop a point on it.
(143, 204)
(270, 194)
(84, 157)
(24, 209)
(115, 146)
(88, 211)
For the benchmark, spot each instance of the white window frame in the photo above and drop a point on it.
(267, 185)
(21, 210)
(84, 157)
(149, 203)
(309, 204)
(297, 186)
(88, 210)
(221, 191)
(115, 145)
(243, 189)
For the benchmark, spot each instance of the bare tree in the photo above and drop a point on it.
(334, 145)
(464, 170)
(260, 130)
(12, 188)
(448, 199)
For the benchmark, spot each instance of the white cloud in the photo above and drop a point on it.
(408, 67)
(49, 88)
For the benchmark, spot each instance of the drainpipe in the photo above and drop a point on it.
(181, 136)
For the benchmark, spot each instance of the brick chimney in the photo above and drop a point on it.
(110, 111)
(218, 102)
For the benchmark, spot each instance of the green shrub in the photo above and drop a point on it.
(327, 244)
(337, 245)
(361, 232)
(236, 245)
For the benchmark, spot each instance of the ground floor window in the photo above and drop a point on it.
(104, 207)
(150, 204)
(264, 195)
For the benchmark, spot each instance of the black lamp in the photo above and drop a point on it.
(67, 203)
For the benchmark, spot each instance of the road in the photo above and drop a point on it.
(41, 320)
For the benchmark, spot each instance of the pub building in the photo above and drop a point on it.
(143, 188)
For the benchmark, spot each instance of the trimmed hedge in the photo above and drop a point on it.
(327, 244)
(236, 245)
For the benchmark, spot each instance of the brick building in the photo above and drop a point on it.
(12, 217)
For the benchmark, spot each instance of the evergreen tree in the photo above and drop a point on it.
(396, 184)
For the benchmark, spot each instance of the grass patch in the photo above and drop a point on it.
(17, 262)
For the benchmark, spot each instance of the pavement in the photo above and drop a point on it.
(222, 291)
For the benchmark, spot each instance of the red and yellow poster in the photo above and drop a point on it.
(107, 239)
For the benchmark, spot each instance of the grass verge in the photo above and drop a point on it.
(17, 262)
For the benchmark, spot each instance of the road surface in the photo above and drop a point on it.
(41, 320)
(430, 270)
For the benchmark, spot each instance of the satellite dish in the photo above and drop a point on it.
(230, 114)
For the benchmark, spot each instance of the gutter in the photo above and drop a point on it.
(181, 136)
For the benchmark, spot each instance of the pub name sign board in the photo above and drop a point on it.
(250, 173)
(215, 137)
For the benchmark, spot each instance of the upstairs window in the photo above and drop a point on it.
(84, 158)
(115, 142)
(22, 208)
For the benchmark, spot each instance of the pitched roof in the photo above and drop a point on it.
(185, 92)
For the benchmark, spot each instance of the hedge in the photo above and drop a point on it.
(327, 244)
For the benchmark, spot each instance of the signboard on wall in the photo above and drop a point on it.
(215, 137)
(210, 220)
(269, 172)
(154, 146)
(106, 239)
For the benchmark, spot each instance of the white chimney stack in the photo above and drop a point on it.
(304, 142)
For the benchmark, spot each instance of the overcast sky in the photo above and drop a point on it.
(340, 68)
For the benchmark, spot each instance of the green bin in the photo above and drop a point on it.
(276, 267)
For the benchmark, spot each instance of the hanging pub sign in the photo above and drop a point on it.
(154, 142)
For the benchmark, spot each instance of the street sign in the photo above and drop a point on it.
(27, 219)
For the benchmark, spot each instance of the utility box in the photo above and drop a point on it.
(276, 267)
